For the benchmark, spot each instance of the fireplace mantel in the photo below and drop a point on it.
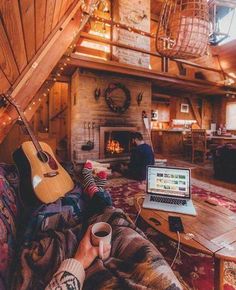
(105, 129)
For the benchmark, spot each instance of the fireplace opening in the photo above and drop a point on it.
(115, 142)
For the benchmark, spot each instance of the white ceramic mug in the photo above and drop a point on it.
(100, 235)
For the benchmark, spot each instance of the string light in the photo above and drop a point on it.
(48, 84)
(124, 26)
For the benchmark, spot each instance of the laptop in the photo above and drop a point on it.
(169, 189)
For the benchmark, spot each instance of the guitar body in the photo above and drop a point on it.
(40, 180)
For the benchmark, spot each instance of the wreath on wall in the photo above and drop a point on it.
(110, 102)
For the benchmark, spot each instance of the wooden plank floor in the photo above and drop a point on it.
(203, 172)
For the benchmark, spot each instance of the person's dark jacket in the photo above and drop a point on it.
(141, 156)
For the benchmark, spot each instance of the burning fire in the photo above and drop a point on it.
(114, 146)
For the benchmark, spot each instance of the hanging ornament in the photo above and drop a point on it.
(183, 29)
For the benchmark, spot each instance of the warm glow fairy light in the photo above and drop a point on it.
(48, 85)
(118, 25)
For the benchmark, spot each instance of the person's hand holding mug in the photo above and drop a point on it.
(86, 252)
(101, 233)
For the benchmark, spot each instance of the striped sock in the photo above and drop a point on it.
(101, 179)
(88, 181)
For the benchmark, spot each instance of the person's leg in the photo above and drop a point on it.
(88, 181)
(99, 198)
(100, 180)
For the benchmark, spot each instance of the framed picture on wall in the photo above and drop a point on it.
(184, 108)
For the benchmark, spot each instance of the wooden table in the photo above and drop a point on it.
(222, 139)
(213, 232)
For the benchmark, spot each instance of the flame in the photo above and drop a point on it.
(114, 146)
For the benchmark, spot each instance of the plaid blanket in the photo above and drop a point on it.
(134, 263)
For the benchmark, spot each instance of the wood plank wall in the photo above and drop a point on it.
(49, 123)
(24, 26)
(58, 111)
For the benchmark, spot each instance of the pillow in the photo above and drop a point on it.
(9, 171)
(8, 214)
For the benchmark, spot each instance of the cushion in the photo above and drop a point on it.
(8, 214)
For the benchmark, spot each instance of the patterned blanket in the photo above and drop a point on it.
(134, 263)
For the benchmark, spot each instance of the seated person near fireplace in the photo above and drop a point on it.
(141, 156)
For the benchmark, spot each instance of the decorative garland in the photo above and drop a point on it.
(110, 102)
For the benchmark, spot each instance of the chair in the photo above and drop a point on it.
(224, 162)
(199, 145)
(187, 144)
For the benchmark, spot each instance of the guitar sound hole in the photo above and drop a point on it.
(42, 156)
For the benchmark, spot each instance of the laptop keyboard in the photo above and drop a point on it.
(168, 200)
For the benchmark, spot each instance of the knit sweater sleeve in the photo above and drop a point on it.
(70, 275)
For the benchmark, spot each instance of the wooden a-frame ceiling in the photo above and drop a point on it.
(25, 25)
(34, 34)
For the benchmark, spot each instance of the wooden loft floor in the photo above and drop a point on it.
(173, 82)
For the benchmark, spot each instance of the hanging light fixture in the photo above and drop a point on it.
(183, 29)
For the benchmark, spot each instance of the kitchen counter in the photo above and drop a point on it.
(169, 141)
(171, 130)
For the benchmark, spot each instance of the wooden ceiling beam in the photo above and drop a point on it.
(112, 66)
(99, 39)
(45, 60)
(197, 115)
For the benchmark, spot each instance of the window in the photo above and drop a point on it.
(227, 26)
(231, 116)
(223, 21)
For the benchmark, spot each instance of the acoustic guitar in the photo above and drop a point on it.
(42, 178)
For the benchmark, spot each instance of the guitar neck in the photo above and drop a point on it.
(29, 130)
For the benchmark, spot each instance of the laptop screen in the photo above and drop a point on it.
(168, 181)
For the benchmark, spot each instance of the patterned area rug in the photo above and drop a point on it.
(213, 189)
(195, 270)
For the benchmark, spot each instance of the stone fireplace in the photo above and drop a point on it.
(115, 142)
(107, 125)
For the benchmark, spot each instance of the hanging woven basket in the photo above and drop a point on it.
(183, 29)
